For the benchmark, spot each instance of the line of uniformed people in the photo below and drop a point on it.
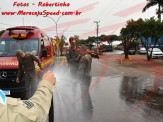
(79, 62)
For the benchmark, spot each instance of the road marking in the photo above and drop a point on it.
(110, 76)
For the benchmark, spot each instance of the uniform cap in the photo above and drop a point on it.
(83, 48)
(19, 53)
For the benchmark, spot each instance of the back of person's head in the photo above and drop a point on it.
(84, 48)
(19, 53)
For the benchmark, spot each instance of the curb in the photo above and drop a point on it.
(125, 59)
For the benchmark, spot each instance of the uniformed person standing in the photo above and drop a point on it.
(84, 77)
(73, 62)
(35, 109)
(26, 60)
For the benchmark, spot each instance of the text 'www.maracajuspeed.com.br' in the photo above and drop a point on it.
(44, 13)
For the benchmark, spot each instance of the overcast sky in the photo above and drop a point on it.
(112, 15)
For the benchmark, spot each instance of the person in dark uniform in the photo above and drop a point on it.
(72, 60)
(84, 77)
(26, 60)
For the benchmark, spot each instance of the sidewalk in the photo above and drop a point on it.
(139, 64)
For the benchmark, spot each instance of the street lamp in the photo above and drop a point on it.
(97, 23)
(56, 24)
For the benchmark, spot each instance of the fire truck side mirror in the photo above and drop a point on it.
(43, 53)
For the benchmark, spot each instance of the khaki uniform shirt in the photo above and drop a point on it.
(85, 65)
(28, 63)
(35, 109)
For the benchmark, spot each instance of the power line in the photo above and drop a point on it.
(109, 6)
(110, 9)
(71, 30)
(68, 33)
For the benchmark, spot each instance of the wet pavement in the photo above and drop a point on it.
(116, 96)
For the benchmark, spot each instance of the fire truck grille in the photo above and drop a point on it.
(8, 77)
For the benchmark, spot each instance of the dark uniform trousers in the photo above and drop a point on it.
(31, 78)
(84, 74)
(85, 82)
(72, 59)
(73, 71)
(31, 83)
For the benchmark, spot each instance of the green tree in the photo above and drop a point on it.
(1, 32)
(152, 3)
(159, 11)
(149, 31)
(102, 37)
(135, 44)
(90, 41)
(129, 34)
(110, 39)
(80, 42)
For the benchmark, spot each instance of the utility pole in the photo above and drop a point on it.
(97, 23)
(56, 23)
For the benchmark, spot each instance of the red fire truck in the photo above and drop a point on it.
(29, 39)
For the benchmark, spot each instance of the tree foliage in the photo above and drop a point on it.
(129, 34)
(150, 31)
(147, 31)
(80, 42)
(111, 38)
(1, 32)
(102, 37)
(151, 3)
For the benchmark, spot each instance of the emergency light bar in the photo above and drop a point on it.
(27, 28)
(23, 28)
(18, 35)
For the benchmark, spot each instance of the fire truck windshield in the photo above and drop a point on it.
(8, 47)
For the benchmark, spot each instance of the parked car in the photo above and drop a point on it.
(142, 50)
(132, 51)
(157, 53)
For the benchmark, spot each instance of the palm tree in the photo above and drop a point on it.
(153, 3)
(158, 12)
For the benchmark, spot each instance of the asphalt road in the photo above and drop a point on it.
(118, 95)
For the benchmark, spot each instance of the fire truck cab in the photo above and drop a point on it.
(29, 39)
